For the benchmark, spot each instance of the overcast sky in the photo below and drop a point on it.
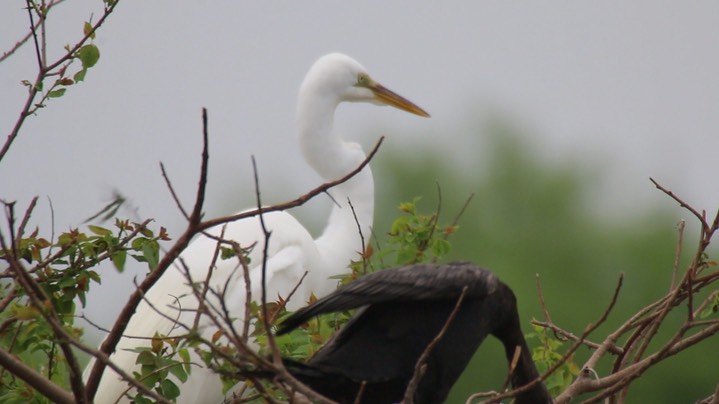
(629, 86)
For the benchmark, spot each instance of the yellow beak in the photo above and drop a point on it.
(389, 97)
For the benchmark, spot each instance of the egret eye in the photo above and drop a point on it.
(362, 79)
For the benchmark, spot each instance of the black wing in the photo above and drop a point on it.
(407, 283)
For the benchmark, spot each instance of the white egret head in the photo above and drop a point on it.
(339, 78)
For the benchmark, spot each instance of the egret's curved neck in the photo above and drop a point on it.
(333, 158)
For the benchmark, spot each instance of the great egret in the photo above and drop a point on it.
(332, 79)
(403, 310)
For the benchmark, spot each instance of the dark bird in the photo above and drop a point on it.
(401, 312)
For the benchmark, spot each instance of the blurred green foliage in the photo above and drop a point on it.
(532, 218)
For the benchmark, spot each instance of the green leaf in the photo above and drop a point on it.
(87, 29)
(57, 93)
(185, 355)
(145, 358)
(83, 299)
(146, 232)
(80, 76)
(408, 207)
(138, 243)
(170, 389)
(100, 231)
(151, 252)
(25, 312)
(138, 399)
(88, 55)
(440, 247)
(118, 259)
(179, 372)
(67, 282)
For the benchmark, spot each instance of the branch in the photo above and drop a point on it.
(37, 381)
(588, 330)
(301, 200)
(44, 71)
(39, 299)
(681, 203)
(112, 339)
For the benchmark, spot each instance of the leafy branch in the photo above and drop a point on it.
(87, 53)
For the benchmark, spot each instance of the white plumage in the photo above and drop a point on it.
(332, 79)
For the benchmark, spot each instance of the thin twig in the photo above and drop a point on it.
(112, 339)
(455, 222)
(681, 203)
(299, 201)
(362, 241)
(678, 253)
(277, 359)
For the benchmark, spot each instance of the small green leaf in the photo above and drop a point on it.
(146, 232)
(151, 252)
(408, 207)
(179, 372)
(82, 298)
(170, 389)
(67, 282)
(80, 76)
(57, 93)
(138, 243)
(118, 259)
(100, 231)
(185, 355)
(440, 247)
(138, 399)
(88, 55)
(94, 276)
(87, 30)
(145, 358)
(25, 312)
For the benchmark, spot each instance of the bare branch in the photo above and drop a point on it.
(678, 253)
(301, 200)
(681, 203)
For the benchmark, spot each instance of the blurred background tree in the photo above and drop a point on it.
(532, 217)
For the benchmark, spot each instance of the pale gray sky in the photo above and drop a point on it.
(630, 86)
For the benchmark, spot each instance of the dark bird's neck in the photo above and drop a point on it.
(524, 373)
(510, 333)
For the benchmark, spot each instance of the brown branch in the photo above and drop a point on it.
(588, 330)
(542, 302)
(44, 72)
(39, 299)
(681, 203)
(33, 30)
(678, 253)
(618, 380)
(613, 348)
(112, 339)
(460, 213)
(173, 193)
(276, 357)
(299, 201)
(289, 296)
(37, 381)
(363, 250)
